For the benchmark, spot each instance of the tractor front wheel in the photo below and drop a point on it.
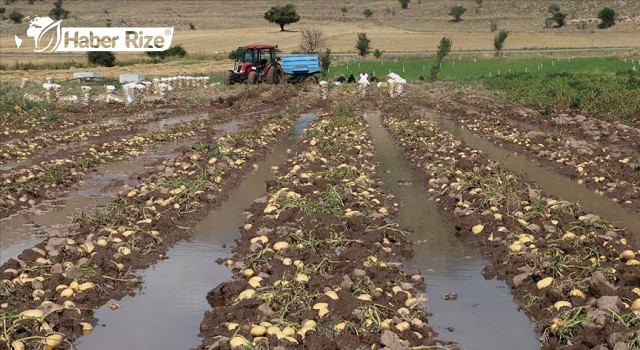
(275, 75)
(252, 78)
(228, 78)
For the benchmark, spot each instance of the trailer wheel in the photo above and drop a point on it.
(228, 78)
(253, 78)
(311, 80)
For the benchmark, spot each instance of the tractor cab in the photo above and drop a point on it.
(255, 63)
(257, 56)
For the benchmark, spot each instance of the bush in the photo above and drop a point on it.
(174, 51)
(344, 10)
(367, 13)
(192, 26)
(363, 44)
(404, 3)
(16, 17)
(457, 12)
(101, 58)
(377, 53)
(556, 16)
(443, 50)
(232, 55)
(2, 11)
(325, 62)
(57, 12)
(498, 41)
(608, 17)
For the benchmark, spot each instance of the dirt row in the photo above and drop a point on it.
(49, 293)
(27, 117)
(573, 123)
(124, 122)
(614, 173)
(28, 186)
(318, 262)
(577, 276)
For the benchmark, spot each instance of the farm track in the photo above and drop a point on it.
(576, 153)
(70, 274)
(26, 187)
(575, 274)
(319, 256)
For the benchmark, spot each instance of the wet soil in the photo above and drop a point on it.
(133, 240)
(465, 305)
(545, 255)
(598, 153)
(349, 247)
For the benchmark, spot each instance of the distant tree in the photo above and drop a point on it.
(404, 3)
(312, 40)
(101, 58)
(344, 10)
(556, 15)
(498, 41)
(2, 11)
(325, 62)
(608, 17)
(457, 12)
(444, 47)
(57, 12)
(479, 2)
(367, 13)
(377, 53)
(363, 45)
(282, 15)
(16, 17)
(232, 55)
(192, 26)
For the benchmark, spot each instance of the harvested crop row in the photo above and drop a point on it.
(572, 123)
(29, 186)
(317, 264)
(615, 174)
(26, 147)
(575, 274)
(39, 118)
(48, 294)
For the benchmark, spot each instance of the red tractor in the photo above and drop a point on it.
(256, 64)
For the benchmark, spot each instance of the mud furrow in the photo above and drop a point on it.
(317, 266)
(67, 276)
(575, 274)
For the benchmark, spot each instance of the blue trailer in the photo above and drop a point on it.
(301, 68)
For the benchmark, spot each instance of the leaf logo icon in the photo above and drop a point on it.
(42, 27)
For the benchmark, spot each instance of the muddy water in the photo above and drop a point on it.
(168, 311)
(549, 181)
(484, 316)
(26, 229)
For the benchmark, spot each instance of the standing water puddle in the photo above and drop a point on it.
(166, 314)
(484, 316)
(20, 231)
(550, 182)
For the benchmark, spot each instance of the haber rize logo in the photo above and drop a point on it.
(50, 36)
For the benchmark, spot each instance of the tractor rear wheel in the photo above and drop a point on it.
(228, 78)
(252, 78)
(275, 75)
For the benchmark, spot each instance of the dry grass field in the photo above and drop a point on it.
(221, 26)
